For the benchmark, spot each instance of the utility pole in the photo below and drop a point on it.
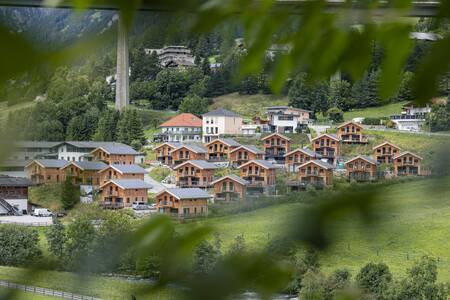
(123, 66)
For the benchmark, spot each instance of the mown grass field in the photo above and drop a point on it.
(5, 109)
(412, 219)
(375, 112)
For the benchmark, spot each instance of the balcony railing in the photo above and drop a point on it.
(112, 205)
(408, 117)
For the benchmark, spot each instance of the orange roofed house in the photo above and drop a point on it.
(112, 172)
(220, 148)
(352, 133)
(407, 164)
(187, 152)
(385, 152)
(230, 187)
(84, 172)
(276, 146)
(260, 175)
(245, 153)
(195, 173)
(298, 157)
(316, 173)
(361, 168)
(183, 203)
(120, 193)
(115, 154)
(327, 145)
(184, 127)
(45, 170)
(164, 152)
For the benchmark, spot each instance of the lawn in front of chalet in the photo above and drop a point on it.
(413, 219)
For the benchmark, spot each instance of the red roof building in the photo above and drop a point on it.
(185, 127)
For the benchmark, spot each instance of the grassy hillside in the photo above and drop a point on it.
(248, 105)
(5, 109)
(19, 295)
(411, 222)
(375, 112)
(48, 196)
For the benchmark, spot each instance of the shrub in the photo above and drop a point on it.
(371, 121)
(19, 245)
(335, 114)
(374, 279)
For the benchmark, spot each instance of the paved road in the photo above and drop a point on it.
(156, 186)
(27, 220)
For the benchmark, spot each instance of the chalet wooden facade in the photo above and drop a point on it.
(14, 195)
(407, 164)
(276, 146)
(244, 154)
(164, 152)
(120, 193)
(229, 188)
(84, 172)
(385, 152)
(316, 173)
(298, 157)
(115, 154)
(195, 173)
(351, 133)
(260, 175)
(361, 168)
(112, 172)
(327, 146)
(219, 149)
(183, 202)
(41, 171)
(188, 152)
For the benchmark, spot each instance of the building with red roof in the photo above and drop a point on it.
(185, 127)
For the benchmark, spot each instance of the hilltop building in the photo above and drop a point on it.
(412, 117)
(220, 122)
(285, 119)
(174, 56)
(184, 127)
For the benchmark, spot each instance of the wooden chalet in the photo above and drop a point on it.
(219, 149)
(84, 172)
(385, 152)
(120, 193)
(407, 164)
(298, 157)
(229, 187)
(187, 152)
(361, 168)
(14, 195)
(115, 154)
(183, 202)
(351, 133)
(45, 170)
(276, 146)
(164, 152)
(244, 154)
(112, 172)
(195, 173)
(315, 172)
(327, 146)
(260, 175)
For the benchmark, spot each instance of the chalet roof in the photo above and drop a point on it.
(251, 148)
(331, 136)
(220, 112)
(35, 144)
(277, 134)
(171, 144)
(263, 163)
(50, 163)
(127, 169)
(405, 153)
(88, 165)
(14, 163)
(227, 141)
(14, 181)
(202, 164)
(186, 193)
(385, 143)
(306, 151)
(129, 184)
(232, 177)
(318, 162)
(118, 148)
(183, 120)
(348, 123)
(363, 157)
(193, 147)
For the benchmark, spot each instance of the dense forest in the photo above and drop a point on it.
(77, 99)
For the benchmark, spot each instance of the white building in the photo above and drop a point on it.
(285, 119)
(412, 117)
(184, 127)
(220, 122)
(174, 56)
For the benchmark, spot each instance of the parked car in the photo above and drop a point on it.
(140, 206)
(42, 212)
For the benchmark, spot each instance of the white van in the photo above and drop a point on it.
(42, 212)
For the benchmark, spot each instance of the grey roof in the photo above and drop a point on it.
(253, 148)
(326, 134)
(261, 162)
(90, 165)
(305, 150)
(230, 142)
(203, 164)
(131, 183)
(188, 193)
(119, 148)
(321, 163)
(220, 112)
(233, 177)
(52, 163)
(14, 163)
(14, 181)
(174, 144)
(129, 169)
(194, 147)
(35, 144)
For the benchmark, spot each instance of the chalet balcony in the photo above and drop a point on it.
(217, 157)
(255, 181)
(113, 193)
(186, 184)
(360, 176)
(296, 183)
(408, 117)
(408, 171)
(111, 205)
(311, 173)
(187, 174)
(227, 196)
(354, 139)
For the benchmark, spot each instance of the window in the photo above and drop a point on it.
(186, 211)
(231, 186)
(224, 186)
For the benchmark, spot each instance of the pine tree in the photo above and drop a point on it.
(107, 126)
(130, 129)
(70, 193)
